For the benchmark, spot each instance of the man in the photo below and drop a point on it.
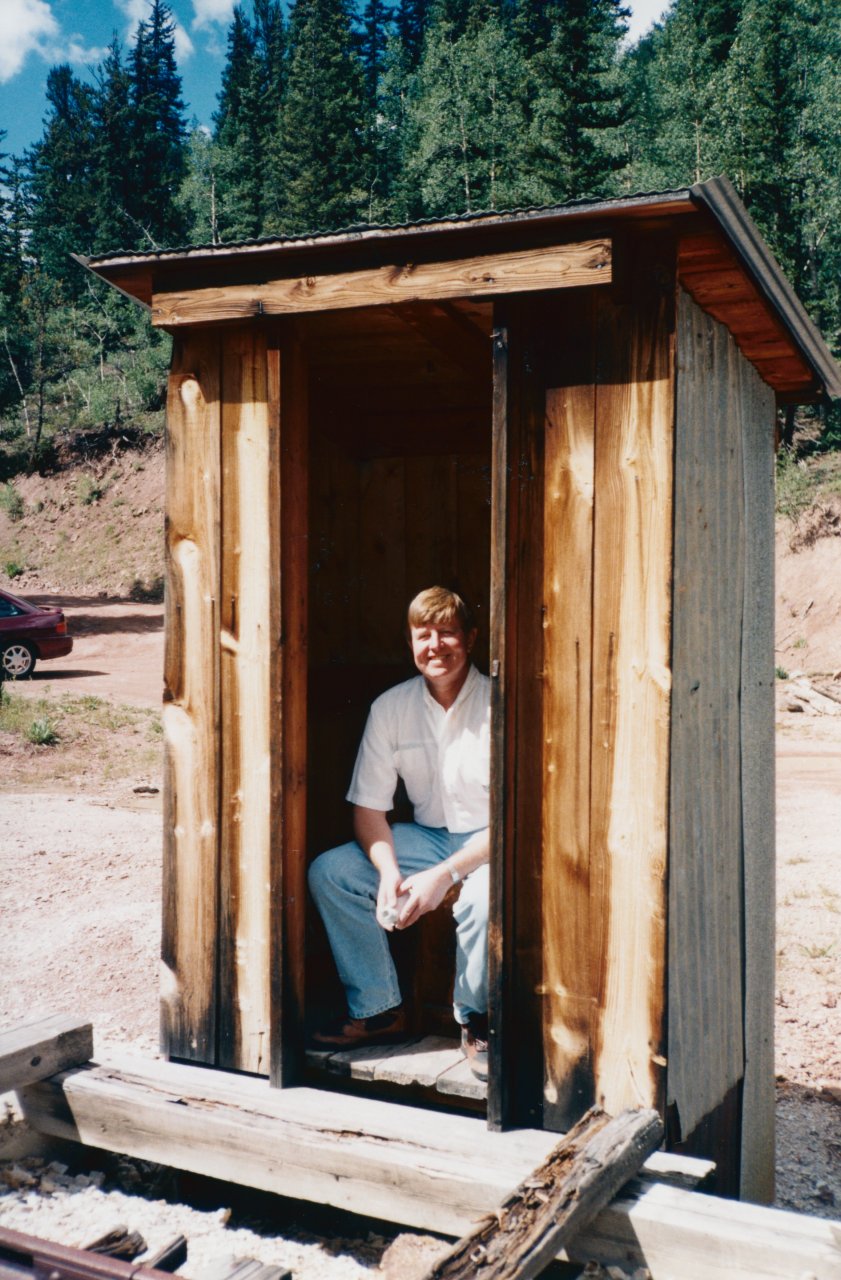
(433, 731)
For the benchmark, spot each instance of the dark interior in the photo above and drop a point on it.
(400, 485)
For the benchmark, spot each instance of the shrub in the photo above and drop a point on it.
(781, 673)
(13, 569)
(11, 502)
(151, 592)
(42, 732)
(88, 490)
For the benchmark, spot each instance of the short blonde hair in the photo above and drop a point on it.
(440, 605)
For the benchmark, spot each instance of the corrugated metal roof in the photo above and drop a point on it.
(366, 230)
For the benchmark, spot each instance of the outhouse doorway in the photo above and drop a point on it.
(399, 498)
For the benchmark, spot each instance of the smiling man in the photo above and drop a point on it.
(433, 731)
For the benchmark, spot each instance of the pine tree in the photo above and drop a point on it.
(112, 125)
(412, 21)
(158, 135)
(577, 106)
(61, 180)
(319, 174)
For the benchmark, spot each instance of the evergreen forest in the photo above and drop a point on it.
(332, 113)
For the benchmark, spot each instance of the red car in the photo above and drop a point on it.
(29, 633)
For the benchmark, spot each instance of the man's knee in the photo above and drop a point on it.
(337, 868)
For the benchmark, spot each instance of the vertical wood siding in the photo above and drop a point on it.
(721, 799)
(569, 1002)
(632, 555)
(245, 657)
(191, 701)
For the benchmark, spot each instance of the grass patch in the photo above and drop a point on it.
(13, 569)
(818, 952)
(88, 491)
(88, 736)
(797, 485)
(781, 673)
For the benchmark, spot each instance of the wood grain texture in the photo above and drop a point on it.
(289, 896)
(631, 678)
(39, 1049)
(556, 1201)
(409, 1165)
(757, 775)
(191, 700)
(554, 267)
(246, 728)
(706, 939)
(568, 972)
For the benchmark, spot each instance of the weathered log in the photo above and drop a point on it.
(120, 1242)
(39, 1049)
(582, 1175)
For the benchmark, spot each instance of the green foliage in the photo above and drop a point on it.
(795, 485)
(11, 502)
(42, 732)
(88, 490)
(780, 673)
(147, 592)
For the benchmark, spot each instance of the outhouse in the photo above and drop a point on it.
(569, 413)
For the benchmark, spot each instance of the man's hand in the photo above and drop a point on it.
(426, 890)
(387, 895)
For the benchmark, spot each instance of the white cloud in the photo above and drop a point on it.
(644, 13)
(24, 26)
(138, 11)
(208, 11)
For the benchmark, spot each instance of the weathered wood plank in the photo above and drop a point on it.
(631, 679)
(706, 997)
(547, 1210)
(568, 986)
(359, 1064)
(290, 454)
(191, 700)
(459, 1082)
(39, 1049)
(757, 773)
(406, 1164)
(559, 266)
(246, 721)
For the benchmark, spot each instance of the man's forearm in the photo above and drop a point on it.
(472, 855)
(371, 829)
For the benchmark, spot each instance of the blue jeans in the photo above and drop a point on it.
(344, 884)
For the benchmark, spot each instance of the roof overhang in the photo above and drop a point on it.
(723, 263)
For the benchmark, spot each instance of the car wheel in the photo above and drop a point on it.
(18, 661)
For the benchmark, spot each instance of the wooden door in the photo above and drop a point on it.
(581, 635)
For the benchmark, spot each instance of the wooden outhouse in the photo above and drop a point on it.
(570, 414)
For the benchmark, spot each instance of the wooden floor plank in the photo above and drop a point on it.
(460, 1082)
(429, 1170)
(361, 1063)
(420, 1064)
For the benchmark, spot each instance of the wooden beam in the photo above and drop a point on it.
(191, 701)
(409, 1165)
(563, 266)
(548, 1209)
(39, 1049)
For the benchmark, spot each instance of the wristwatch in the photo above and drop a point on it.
(454, 875)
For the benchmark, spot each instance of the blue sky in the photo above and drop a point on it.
(37, 34)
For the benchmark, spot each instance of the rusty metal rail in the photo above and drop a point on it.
(25, 1255)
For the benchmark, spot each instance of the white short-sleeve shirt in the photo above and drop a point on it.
(442, 756)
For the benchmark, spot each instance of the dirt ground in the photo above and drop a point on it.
(80, 867)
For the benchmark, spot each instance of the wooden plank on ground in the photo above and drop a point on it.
(409, 1165)
(247, 723)
(583, 263)
(459, 1081)
(39, 1049)
(631, 680)
(191, 701)
(359, 1064)
(547, 1210)
(421, 1063)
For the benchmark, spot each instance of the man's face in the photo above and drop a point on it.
(441, 650)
